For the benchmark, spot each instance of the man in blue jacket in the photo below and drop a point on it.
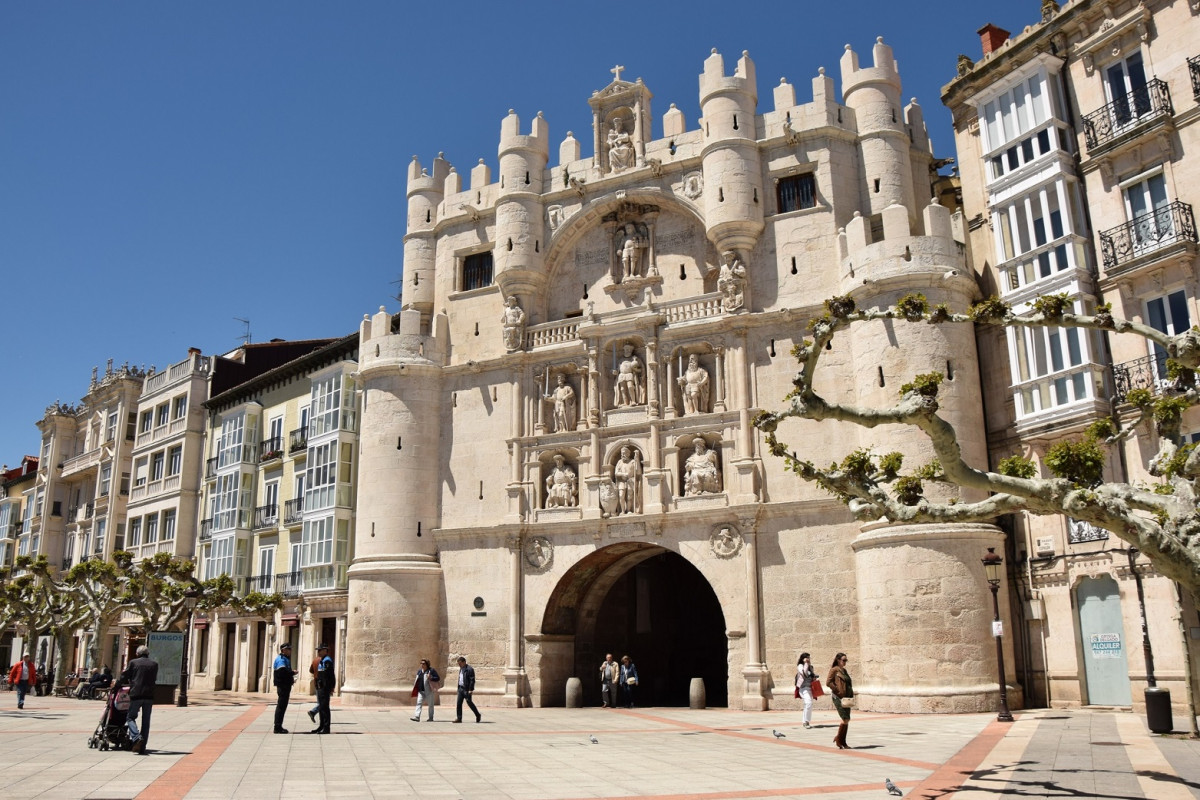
(466, 686)
(283, 678)
(325, 685)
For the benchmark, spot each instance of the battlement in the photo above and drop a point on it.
(866, 256)
(884, 70)
(419, 179)
(537, 141)
(714, 81)
(380, 346)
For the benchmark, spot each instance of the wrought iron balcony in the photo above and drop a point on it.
(1079, 532)
(271, 449)
(289, 584)
(266, 516)
(1147, 233)
(206, 529)
(1194, 69)
(298, 439)
(293, 511)
(1141, 373)
(260, 583)
(1143, 104)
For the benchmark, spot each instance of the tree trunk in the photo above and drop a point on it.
(1187, 668)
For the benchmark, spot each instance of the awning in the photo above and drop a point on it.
(289, 620)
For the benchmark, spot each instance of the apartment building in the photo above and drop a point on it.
(1076, 142)
(17, 488)
(279, 510)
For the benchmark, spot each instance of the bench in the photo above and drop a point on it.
(68, 688)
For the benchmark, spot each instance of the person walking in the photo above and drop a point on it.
(840, 690)
(325, 685)
(424, 688)
(466, 686)
(140, 676)
(610, 677)
(312, 670)
(23, 675)
(629, 680)
(283, 678)
(805, 675)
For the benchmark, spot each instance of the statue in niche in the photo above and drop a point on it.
(732, 281)
(565, 407)
(513, 323)
(629, 389)
(632, 242)
(627, 475)
(701, 473)
(694, 385)
(561, 485)
(621, 155)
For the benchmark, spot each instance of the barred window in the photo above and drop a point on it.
(477, 271)
(796, 192)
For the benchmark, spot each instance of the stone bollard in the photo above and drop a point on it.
(697, 698)
(574, 693)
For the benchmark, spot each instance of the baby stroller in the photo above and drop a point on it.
(112, 733)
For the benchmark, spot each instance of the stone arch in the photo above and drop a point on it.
(618, 599)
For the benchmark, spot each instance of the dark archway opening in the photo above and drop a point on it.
(664, 615)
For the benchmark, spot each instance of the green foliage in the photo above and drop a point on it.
(1104, 316)
(800, 351)
(840, 307)
(909, 490)
(1169, 410)
(1053, 306)
(1163, 488)
(1180, 375)
(890, 463)
(1101, 429)
(925, 385)
(913, 307)
(932, 471)
(1140, 398)
(1080, 461)
(940, 313)
(1016, 466)
(1174, 465)
(991, 309)
(258, 604)
(858, 464)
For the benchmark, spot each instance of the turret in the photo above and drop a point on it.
(520, 234)
(733, 189)
(425, 193)
(874, 94)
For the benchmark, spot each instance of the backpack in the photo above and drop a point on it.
(121, 701)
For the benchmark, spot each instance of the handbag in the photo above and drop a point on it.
(797, 694)
(817, 689)
(632, 680)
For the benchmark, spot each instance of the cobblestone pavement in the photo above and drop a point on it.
(221, 746)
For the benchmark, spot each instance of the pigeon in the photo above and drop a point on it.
(891, 787)
(593, 740)
(777, 734)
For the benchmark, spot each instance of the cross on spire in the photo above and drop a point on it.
(616, 71)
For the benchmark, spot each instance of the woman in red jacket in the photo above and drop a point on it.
(24, 675)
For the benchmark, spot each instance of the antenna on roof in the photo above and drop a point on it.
(399, 284)
(245, 334)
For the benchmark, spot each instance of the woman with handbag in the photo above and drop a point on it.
(841, 690)
(629, 679)
(805, 678)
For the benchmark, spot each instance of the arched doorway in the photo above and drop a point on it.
(651, 604)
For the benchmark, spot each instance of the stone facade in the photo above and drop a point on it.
(1073, 140)
(557, 457)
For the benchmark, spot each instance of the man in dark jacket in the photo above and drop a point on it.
(466, 686)
(284, 677)
(325, 685)
(140, 675)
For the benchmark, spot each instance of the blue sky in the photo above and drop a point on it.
(167, 167)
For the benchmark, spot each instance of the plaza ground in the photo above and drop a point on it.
(222, 746)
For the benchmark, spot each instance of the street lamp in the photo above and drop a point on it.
(182, 700)
(992, 564)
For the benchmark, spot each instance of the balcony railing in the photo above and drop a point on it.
(1123, 114)
(289, 584)
(266, 516)
(293, 511)
(1194, 69)
(82, 462)
(1147, 233)
(260, 583)
(298, 439)
(210, 468)
(206, 529)
(271, 449)
(1141, 373)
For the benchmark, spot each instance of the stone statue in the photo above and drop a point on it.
(513, 322)
(732, 281)
(701, 474)
(629, 389)
(695, 387)
(560, 485)
(630, 246)
(563, 397)
(627, 475)
(620, 148)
